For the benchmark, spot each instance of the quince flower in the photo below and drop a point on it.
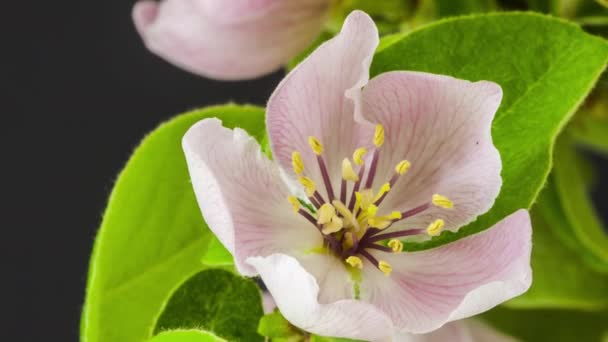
(229, 39)
(358, 166)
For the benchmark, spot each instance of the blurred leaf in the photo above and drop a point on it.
(221, 302)
(275, 325)
(550, 325)
(543, 85)
(590, 131)
(561, 276)
(186, 336)
(152, 236)
(577, 206)
(216, 254)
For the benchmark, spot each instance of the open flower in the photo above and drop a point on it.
(229, 39)
(358, 166)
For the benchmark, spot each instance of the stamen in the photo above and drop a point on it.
(351, 203)
(308, 216)
(415, 211)
(384, 189)
(335, 225)
(402, 167)
(401, 233)
(372, 170)
(348, 174)
(346, 214)
(297, 163)
(326, 181)
(385, 267)
(316, 145)
(318, 198)
(295, 203)
(347, 171)
(379, 136)
(383, 222)
(326, 212)
(442, 202)
(435, 227)
(380, 248)
(354, 261)
(358, 156)
(309, 186)
(396, 246)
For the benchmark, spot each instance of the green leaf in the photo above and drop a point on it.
(275, 325)
(550, 325)
(577, 205)
(186, 336)
(545, 67)
(152, 236)
(562, 277)
(216, 300)
(216, 254)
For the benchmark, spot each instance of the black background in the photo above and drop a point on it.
(81, 92)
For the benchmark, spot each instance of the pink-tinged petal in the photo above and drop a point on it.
(469, 330)
(236, 39)
(442, 125)
(318, 99)
(296, 292)
(241, 194)
(430, 288)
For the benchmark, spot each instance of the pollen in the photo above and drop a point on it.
(379, 136)
(326, 212)
(358, 155)
(297, 163)
(442, 202)
(396, 245)
(347, 171)
(295, 203)
(354, 261)
(309, 185)
(316, 145)
(435, 227)
(385, 267)
(402, 167)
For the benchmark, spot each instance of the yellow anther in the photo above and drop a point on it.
(358, 155)
(309, 185)
(379, 222)
(326, 212)
(346, 214)
(316, 145)
(442, 202)
(385, 267)
(402, 167)
(435, 227)
(295, 204)
(354, 261)
(297, 163)
(396, 245)
(395, 215)
(379, 136)
(386, 187)
(334, 225)
(347, 171)
(372, 210)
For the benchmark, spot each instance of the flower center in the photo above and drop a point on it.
(350, 224)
